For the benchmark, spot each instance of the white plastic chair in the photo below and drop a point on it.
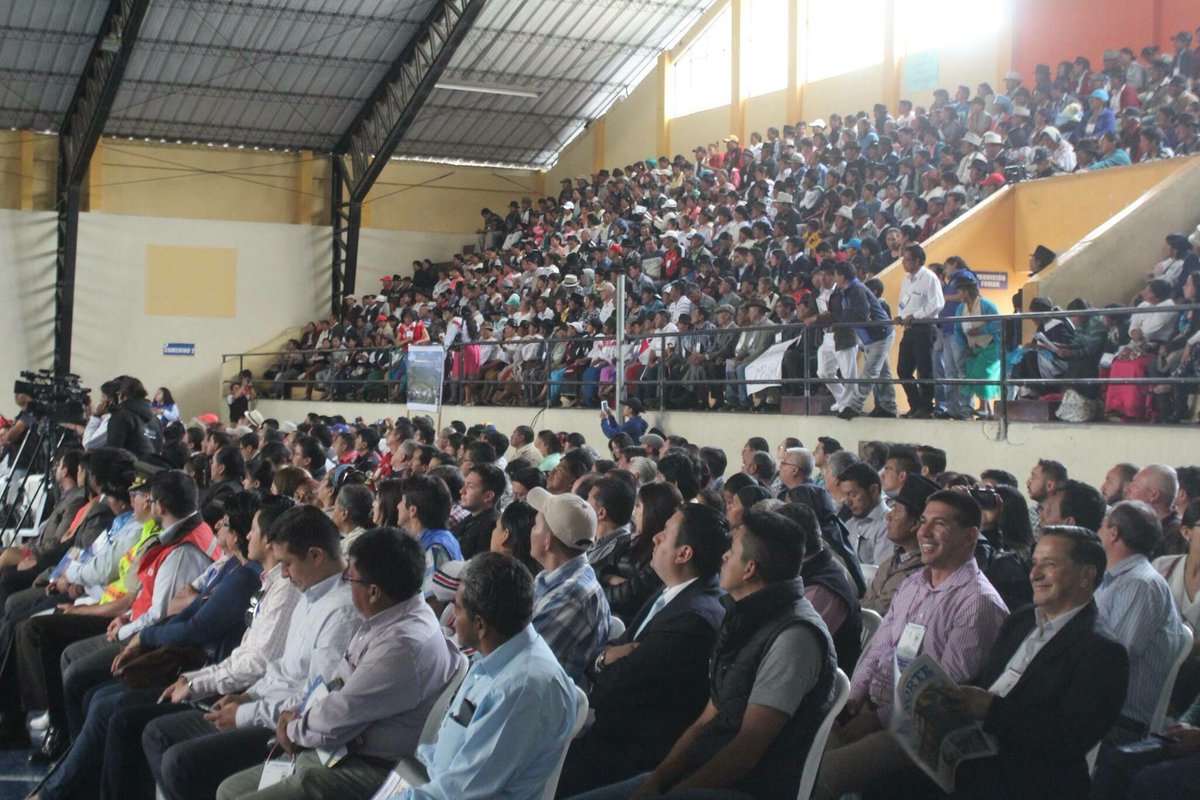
(581, 713)
(868, 571)
(812, 762)
(29, 487)
(870, 623)
(616, 628)
(1159, 720)
(433, 721)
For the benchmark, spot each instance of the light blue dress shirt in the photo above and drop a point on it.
(505, 729)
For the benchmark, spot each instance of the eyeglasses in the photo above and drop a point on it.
(347, 579)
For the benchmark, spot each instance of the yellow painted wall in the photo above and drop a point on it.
(1058, 213)
(765, 111)
(1108, 264)
(630, 125)
(698, 129)
(575, 161)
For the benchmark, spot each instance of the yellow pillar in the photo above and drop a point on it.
(304, 188)
(737, 110)
(539, 183)
(95, 179)
(598, 134)
(662, 137)
(793, 112)
(26, 170)
(891, 64)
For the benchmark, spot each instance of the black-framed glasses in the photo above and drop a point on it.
(347, 579)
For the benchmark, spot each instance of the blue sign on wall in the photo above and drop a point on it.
(179, 349)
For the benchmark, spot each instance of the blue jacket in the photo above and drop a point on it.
(859, 304)
(215, 620)
(635, 426)
(444, 539)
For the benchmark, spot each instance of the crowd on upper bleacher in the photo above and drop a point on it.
(753, 233)
(272, 612)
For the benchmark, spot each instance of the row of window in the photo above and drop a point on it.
(834, 37)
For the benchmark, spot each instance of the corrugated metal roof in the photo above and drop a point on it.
(294, 73)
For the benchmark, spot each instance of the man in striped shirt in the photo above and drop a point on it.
(570, 610)
(949, 610)
(1136, 606)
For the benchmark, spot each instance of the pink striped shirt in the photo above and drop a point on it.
(961, 617)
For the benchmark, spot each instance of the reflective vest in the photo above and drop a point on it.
(200, 537)
(121, 586)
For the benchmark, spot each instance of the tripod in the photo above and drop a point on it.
(49, 438)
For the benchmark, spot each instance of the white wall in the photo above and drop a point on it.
(27, 245)
(282, 282)
(1087, 450)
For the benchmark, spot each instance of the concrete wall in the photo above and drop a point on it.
(1109, 264)
(970, 446)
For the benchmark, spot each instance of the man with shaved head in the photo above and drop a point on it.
(1156, 485)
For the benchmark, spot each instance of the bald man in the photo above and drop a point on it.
(1156, 485)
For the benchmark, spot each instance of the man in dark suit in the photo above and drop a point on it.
(1053, 684)
(652, 682)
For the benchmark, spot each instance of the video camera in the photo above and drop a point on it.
(58, 398)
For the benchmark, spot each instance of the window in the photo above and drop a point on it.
(703, 74)
(764, 46)
(929, 24)
(843, 36)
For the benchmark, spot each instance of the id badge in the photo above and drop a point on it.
(274, 770)
(392, 787)
(909, 646)
(1005, 683)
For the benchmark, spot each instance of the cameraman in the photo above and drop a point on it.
(133, 426)
(20, 439)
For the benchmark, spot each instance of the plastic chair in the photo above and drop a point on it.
(1159, 720)
(616, 628)
(581, 714)
(870, 623)
(433, 721)
(812, 762)
(868, 571)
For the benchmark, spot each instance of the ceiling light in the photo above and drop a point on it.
(482, 88)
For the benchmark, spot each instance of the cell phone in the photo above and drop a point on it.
(604, 407)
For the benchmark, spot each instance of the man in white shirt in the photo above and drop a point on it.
(868, 508)
(1153, 327)
(190, 753)
(920, 299)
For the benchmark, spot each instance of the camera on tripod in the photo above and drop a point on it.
(58, 398)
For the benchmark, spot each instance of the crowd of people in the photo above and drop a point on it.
(784, 233)
(272, 611)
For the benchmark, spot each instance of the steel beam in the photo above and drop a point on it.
(371, 139)
(77, 139)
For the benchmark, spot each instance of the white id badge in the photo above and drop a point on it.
(392, 787)
(274, 770)
(909, 646)
(1005, 683)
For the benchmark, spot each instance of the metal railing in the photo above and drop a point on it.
(338, 386)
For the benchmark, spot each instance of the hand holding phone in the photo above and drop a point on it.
(604, 407)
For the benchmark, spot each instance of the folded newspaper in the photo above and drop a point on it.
(936, 738)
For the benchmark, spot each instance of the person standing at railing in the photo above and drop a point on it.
(920, 299)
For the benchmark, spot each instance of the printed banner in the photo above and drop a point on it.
(426, 372)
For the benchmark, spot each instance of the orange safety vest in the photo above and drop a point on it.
(200, 537)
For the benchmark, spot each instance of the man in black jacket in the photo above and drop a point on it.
(770, 677)
(1052, 686)
(133, 426)
(652, 682)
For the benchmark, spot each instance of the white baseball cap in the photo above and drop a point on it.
(570, 518)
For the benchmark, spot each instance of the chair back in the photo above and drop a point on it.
(1159, 720)
(870, 623)
(616, 628)
(581, 713)
(869, 571)
(812, 761)
(433, 721)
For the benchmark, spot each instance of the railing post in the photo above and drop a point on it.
(662, 369)
(1003, 381)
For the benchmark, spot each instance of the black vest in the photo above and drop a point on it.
(750, 628)
(822, 570)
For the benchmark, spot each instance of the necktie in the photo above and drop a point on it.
(658, 606)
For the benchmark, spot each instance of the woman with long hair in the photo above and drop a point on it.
(631, 580)
(511, 535)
